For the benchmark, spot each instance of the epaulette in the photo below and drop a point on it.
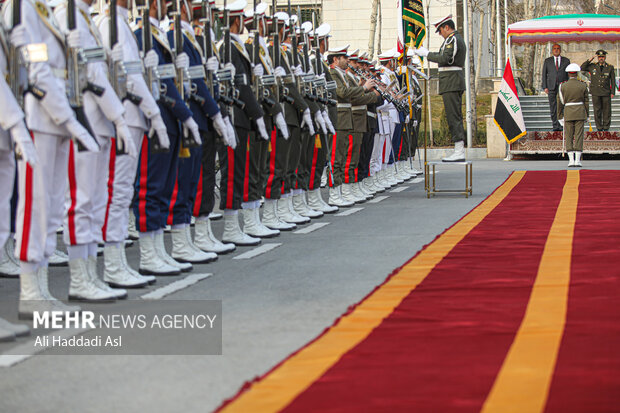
(250, 40)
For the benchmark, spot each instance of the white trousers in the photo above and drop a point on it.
(86, 195)
(122, 175)
(7, 178)
(376, 159)
(40, 207)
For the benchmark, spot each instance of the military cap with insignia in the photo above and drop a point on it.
(338, 51)
(443, 21)
(601, 52)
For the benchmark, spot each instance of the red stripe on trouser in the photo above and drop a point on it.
(347, 165)
(246, 175)
(111, 169)
(441, 348)
(23, 252)
(383, 154)
(333, 160)
(400, 147)
(586, 375)
(173, 201)
(296, 181)
(230, 185)
(144, 167)
(73, 194)
(198, 199)
(315, 152)
(272, 163)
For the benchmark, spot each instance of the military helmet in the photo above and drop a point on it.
(601, 52)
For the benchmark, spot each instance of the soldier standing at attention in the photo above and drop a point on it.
(602, 87)
(573, 111)
(451, 61)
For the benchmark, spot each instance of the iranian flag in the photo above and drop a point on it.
(508, 114)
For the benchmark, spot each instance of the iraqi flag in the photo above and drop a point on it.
(508, 114)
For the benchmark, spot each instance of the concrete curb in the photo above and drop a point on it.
(439, 153)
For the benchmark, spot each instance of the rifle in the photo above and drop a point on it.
(207, 40)
(77, 80)
(153, 79)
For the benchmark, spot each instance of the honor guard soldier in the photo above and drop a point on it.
(247, 117)
(602, 87)
(204, 238)
(451, 61)
(142, 115)
(206, 113)
(157, 169)
(259, 158)
(573, 109)
(13, 132)
(389, 120)
(52, 122)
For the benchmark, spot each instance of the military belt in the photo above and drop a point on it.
(574, 104)
(344, 105)
(59, 73)
(450, 68)
(372, 115)
(361, 107)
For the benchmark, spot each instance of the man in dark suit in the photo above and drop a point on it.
(554, 73)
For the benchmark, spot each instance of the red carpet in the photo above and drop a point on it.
(476, 320)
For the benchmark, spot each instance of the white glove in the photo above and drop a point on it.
(298, 71)
(158, 126)
(231, 67)
(24, 144)
(422, 51)
(318, 118)
(19, 36)
(311, 71)
(123, 138)
(407, 119)
(151, 60)
(74, 39)
(258, 70)
(117, 53)
(192, 127)
(308, 121)
(279, 71)
(281, 124)
(231, 137)
(561, 122)
(219, 125)
(212, 64)
(182, 61)
(79, 132)
(328, 122)
(260, 122)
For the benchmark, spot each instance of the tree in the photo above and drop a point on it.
(373, 28)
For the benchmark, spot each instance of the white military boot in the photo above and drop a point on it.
(364, 191)
(34, 295)
(382, 179)
(577, 159)
(188, 236)
(301, 219)
(392, 174)
(360, 198)
(82, 286)
(233, 233)
(150, 261)
(58, 259)
(184, 251)
(336, 199)
(372, 184)
(402, 172)
(206, 241)
(18, 330)
(315, 201)
(459, 153)
(8, 267)
(132, 232)
(115, 273)
(286, 213)
(571, 158)
(300, 206)
(253, 227)
(347, 195)
(271, 218)
(148, 278)
(367, 187)
(91, 262)
(160, 247)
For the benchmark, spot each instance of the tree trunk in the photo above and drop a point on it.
(479, 51)
(373, 28)
(528, 56)
(474, 72)
(380, 28)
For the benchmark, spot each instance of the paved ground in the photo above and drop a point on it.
(272, 304)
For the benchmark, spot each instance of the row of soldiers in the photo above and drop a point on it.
(104, 120)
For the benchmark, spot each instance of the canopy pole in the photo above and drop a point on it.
(498, 40)
(467, 73)
(507, 51)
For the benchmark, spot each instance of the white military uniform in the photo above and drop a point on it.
(387, 119)
(124, 168)
(42, 189)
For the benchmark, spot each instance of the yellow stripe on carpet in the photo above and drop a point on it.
(522, 384)
(279, 388)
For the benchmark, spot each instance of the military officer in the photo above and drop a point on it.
(451, 62)
(602, 87)
(573, 108)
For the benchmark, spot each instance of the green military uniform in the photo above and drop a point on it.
(347, 95)
(602, 86)
(573, 107)
(451, 61)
